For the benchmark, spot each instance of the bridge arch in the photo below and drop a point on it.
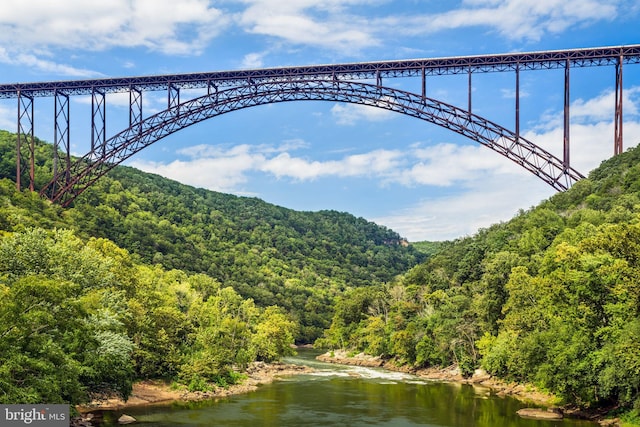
(68, 184)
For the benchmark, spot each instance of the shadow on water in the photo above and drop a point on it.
(347, 396)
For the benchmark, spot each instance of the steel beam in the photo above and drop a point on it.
(517, 102)
(128, 142)
(173, 95)
(469, 93)
(135, 107)
(589, 57)
(98, 121)
(61, 135)
(340, 77)
(617, 138)
(567, 117)
(25, 128)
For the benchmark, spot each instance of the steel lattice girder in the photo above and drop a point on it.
(85, 171)
(589, 57)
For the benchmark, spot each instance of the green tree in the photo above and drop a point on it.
(273, 337)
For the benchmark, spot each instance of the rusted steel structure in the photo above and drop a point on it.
(361, 83)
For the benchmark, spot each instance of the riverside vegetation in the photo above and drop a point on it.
(147, 278)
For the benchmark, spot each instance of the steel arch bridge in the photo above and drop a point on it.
(359, 83)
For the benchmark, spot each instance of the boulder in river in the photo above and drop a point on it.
(126, 419)
(542, 414)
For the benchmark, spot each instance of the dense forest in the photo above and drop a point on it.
(147, 278)
(551, 297)
(273, 255)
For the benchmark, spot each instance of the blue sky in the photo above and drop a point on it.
(418, 179)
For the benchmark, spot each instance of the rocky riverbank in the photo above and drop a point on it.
(526, 393)
(159, 392)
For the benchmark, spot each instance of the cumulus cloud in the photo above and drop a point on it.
(252, 60)
(350, 114)
(484, 201)
(35, 32)
(512, 19)
(328, 24)
(46, 65)
(493, 189)
(350, 26)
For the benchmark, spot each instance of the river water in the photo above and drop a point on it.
(348, 396)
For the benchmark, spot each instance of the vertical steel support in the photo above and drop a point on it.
(173, 96)
(61, 136)
(469, 100)
(566, 160)
(25, 114)
(215, 90)
(98, 121)
(517, 102)
(135, 108)
(424, 83)
(617, 138)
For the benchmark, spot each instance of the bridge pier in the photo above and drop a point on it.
(617, 133)
(25, 114)
(517, 129)
(61, 134)
(98, 120)
(567, 117)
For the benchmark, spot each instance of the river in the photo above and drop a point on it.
(350, 396)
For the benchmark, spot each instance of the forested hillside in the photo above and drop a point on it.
(276, 256)
(551, 297)
(147, 278)
(125, 284)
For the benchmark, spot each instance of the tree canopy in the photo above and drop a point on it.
(551, 297)
(147, 278)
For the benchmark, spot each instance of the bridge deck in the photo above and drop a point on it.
(354, 71)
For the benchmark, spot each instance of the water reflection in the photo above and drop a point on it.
(350, 396)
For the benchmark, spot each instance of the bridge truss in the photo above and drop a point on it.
(360, 83)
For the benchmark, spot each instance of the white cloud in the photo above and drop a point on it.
(162, 25)
(8, 118)
(513, 19)
(223, 168)
(326, 24)
(32, 61)
(225, 172)
(602, 106)
(484, 201)
(350, 114)
(376, 163)
(252, 60)
(35, 32)
(493, 189)
(349, 26)
(30, 30)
